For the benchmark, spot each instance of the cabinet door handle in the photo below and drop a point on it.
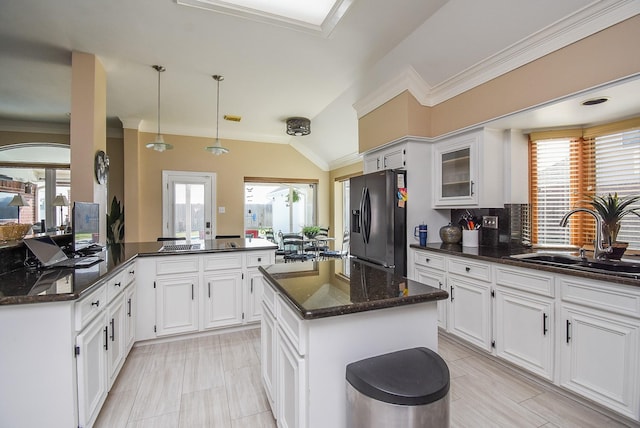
(468, 269)
(440, 284)
(568, 331)
(452, 293)
(129, 304)
(208, 288)
(96, 303)
(192, 293)
(471, 187)
(252, 285)
(106, 338)
(113, 330)
(544, 324)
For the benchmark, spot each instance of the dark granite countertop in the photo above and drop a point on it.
(319, 289)
(24, 285)
(501, 254)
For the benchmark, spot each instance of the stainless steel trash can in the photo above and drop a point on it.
(407, 388)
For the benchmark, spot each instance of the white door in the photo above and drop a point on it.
(188, 204)
(177, 307)
(91, 369)
(436, 280)
(470, 311)
(223, 299)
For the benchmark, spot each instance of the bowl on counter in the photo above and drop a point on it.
(13, 231)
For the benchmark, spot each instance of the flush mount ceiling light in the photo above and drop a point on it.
(217, 149)
(298, 126)
(595, 101)
(158, 144)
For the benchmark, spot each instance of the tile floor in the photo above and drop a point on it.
(214, 381)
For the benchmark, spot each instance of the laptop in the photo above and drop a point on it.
(50, 255)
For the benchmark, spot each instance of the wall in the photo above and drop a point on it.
(600, 58)
(143, 222)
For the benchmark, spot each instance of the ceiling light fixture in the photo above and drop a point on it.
(158, 144)
(298, 126)
(217, 149)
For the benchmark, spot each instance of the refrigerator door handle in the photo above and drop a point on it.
(361, 217)
(367, 215)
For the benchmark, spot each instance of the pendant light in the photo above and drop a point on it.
(158, 144)
(217, 149)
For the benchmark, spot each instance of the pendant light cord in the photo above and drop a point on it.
(218, 112)
(159, 70)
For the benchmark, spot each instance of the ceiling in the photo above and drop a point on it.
(273, 71)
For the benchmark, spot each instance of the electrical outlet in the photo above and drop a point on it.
(490, 221)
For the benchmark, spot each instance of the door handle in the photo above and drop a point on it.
(192, 293)
(106, 338)
(452, 293)
(129, 310)
(252, 285)
(544, 324)
(208, 286)
(568, 331)
(113, 330)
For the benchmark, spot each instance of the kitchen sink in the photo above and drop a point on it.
(615, 267)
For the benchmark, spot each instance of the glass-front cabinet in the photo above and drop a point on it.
(468, 170)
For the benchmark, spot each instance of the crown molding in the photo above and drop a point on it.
(407, 80)
(346, 160)
(583, 23)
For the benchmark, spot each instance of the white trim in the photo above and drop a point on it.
(346, 160)
(328, 24)
(583, 23)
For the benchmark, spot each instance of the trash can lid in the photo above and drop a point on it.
(410, 377)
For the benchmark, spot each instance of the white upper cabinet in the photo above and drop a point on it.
(392, 157)
(468, 170)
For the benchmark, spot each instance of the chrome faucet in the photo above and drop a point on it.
(598, 250)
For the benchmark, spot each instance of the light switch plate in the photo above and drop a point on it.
(490, 221)
(221, 210)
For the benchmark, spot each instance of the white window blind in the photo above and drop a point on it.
(552, 180)
(618, 170)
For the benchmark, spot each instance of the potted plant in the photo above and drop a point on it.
(612, 208)
(310, 231)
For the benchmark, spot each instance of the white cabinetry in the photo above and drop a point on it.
(524, 319)
(253, 283)
(222, 298)
(428, 268)
(470, 301)
(468, 170)
(390, 157)
(600, 346)
(177, 307)
(116, 322)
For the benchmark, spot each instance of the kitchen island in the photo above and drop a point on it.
(320, 316)
(66, 333)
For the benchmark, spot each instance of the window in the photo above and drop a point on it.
(567, 169)
(278, 206)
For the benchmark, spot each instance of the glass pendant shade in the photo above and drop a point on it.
(217, 148)
(158, 144)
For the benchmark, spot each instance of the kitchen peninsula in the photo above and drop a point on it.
(65, 333)
(319, 316)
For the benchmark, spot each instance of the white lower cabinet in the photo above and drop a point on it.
(254, 290)
(599, 358)
(222, 297)
(524, 330)
(268, 356)
(91, 370)
(578, 333)
(130, 321)
(291, 387)
(116, 340)
(176, 304)
(435, 279)
(470, 310)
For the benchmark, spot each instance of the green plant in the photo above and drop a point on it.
(612, 208)
(115, 223)
(310, 231)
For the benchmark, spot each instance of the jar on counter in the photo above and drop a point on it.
(450, 234)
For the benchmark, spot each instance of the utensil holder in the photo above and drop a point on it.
(470, 238)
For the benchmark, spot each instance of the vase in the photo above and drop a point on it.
(450, 234)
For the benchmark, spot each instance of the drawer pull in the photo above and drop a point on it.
(96, 303)
(259, 259)
(427, 260)
(118, 283)
(468, 269)
(132, 272)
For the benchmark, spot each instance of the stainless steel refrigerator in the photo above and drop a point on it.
(378, 219)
